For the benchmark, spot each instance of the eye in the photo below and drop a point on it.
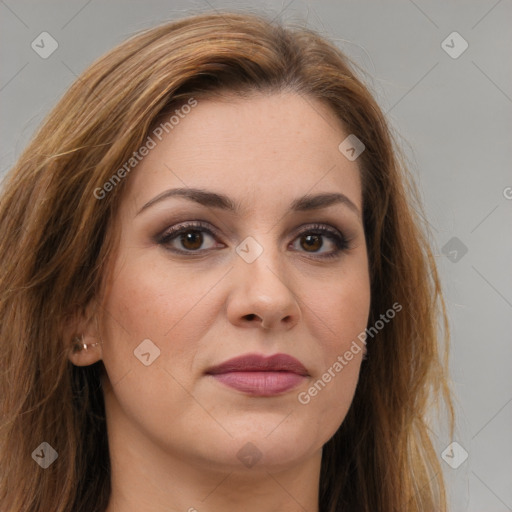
(312, 240)
(320, 241)
(187, 238)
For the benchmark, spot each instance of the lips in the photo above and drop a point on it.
(260, 375)
(258, 363)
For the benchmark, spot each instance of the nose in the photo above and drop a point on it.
(261, 295)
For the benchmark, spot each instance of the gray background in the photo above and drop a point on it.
(454, 119)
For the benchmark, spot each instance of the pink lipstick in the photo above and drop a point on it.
(260, 375)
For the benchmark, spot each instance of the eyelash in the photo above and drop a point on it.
(341, 242)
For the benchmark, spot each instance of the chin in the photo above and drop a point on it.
(265, 444)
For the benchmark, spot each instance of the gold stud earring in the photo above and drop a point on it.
(79, 345)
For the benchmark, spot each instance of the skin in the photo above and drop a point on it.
(174, 433)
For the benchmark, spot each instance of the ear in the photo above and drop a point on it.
(83, 339)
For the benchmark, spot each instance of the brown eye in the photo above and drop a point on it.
(191, 240)
(311, 242)
(321, 242)
(188, 238)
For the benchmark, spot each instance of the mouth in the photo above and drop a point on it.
(259, 375)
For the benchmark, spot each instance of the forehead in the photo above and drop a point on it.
(258, 150)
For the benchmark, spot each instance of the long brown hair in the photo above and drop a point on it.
(56, 242)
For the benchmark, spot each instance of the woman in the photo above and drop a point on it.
(215, 292)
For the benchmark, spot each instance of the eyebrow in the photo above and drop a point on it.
(223, 202)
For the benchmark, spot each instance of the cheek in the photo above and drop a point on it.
(153, 297)
(330, 390)
(338, 314)
(156, 302)
(346, 312)
(153, 301)
(339, 308)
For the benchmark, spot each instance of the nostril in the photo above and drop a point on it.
(251, 316)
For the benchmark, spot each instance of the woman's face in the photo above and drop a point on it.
(263, 266)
